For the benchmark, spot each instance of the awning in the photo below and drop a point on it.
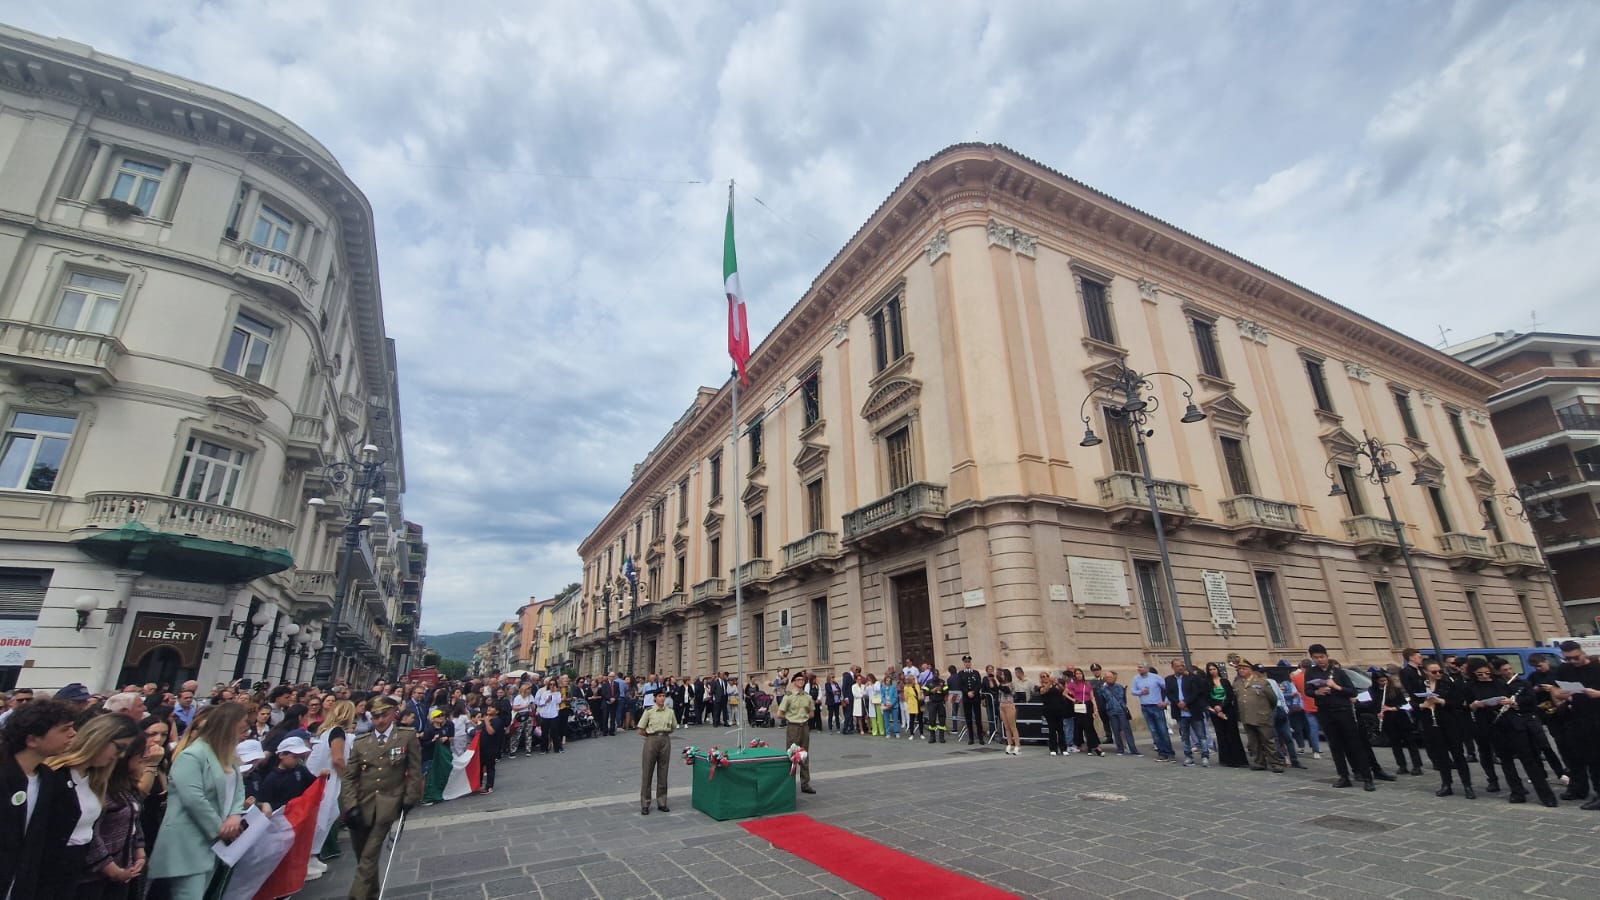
(183, 557)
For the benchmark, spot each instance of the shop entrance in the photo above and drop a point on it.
(161, 665)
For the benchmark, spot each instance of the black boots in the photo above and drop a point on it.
(1342, 783)
(1494, 786)
(1444, 790)
(1466, 791)
(1367, 785)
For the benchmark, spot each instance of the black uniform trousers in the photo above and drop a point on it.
(1349, 747)
(1514, 742)
(972, 712)
(1445, 751)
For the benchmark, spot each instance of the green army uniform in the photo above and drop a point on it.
(382, 778)
(656, 725)
(795, 711)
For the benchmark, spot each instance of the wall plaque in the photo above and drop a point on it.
(185, 635)
(1098, 581)
(973, 597)
(1058, 593)
(1217, 595)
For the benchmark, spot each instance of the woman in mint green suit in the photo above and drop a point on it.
(205, 801)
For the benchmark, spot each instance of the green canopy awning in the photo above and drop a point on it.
(183, 557)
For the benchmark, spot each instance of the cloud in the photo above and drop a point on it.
(549, 183)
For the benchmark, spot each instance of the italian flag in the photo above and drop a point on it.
(738, 327)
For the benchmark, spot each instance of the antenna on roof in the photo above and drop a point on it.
(1444, 337)
(1533, 316)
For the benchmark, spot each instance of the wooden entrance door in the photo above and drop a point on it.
(916, 617)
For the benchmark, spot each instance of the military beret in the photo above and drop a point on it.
(380, 704)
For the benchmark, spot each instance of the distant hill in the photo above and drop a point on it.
(457, 645)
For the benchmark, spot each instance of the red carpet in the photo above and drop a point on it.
(869, 865)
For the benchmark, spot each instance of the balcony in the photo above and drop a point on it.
(1518, 559)
(674, 605)
(712, 590)
(754, 576)
(1465, 551)
(1580, 417)
(306, 437)
(1127, 503)
(314, 590)
(1373, 536)
(183, 539)
(814, 554)
(1257, 520)
(88, 359)
(276, 271)
(912, 511)
(352, 412)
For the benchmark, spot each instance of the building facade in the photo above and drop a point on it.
(911, 481)
(1546, 416)
(563, 625)
(191, 334)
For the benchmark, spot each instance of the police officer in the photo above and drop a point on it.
(795, 712)
(968, 685)
(656, 726)
(382, 779)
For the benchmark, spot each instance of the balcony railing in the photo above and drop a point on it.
(1127, 489)
(1579, 418)
(817, 545)
(191, 517)
(672, 603)
(1518, 556)
(753, 571)
(710, 589)
(60, 350)
(1370, 530)
(1250, 510)
(918, 499)
(1461, 543)
(316, 583)
(279, 266)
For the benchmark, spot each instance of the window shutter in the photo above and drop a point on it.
(22, 595)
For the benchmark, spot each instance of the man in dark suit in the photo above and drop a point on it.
(968, 685)
(34, 832)
(719, 700)
(605, 703)
(1189, 699)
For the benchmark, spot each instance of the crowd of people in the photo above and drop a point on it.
(123, 796)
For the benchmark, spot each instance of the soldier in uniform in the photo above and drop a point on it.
(656, 726)
(795, 712)
(382, 779)
(1257, 703)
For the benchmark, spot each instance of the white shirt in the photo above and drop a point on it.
(548, 702)
(33, 800)
(88, 809)
(520, 703)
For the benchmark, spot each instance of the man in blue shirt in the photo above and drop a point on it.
(1190, 697)
(1152, 693)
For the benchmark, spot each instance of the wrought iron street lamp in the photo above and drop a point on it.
(605, 599)
(1132, 399)
(1375, 464)
(1523, 503)
(631, 572)
(365, 473)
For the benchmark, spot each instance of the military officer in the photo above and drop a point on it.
(383, 778)
(656, 726)
(795, 712)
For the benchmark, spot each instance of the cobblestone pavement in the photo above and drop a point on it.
(568, 826)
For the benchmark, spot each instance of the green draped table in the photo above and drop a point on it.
(756, 782)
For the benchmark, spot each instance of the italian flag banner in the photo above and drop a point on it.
(738, 327)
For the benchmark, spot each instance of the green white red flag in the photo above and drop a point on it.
(738, 326)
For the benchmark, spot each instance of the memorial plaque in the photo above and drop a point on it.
(1098, 581)
(1217, 595)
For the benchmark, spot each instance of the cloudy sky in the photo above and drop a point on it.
(549, 181)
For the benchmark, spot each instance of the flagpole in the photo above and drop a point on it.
(738, 585)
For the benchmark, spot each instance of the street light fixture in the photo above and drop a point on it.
(1136, 394)
(1375, 464)
(366, 471)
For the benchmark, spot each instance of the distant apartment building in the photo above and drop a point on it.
(191, 331)
(912, 480)
(1546, 415)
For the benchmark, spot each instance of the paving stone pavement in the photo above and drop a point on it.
(568, 826)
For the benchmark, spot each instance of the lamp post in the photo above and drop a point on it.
(1133, 397)
(605, 598)
(366, 473)
(245, 631)
(1522, 504)
(1376, 465)
(630, 572)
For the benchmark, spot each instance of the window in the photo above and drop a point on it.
(888, 335)
(210, 473)
(638, 534)
(1440, 513)
(1157, 630)
(1393, 621)
(1351, 482)
(1272, 611)
(1402, 402)
(1233, 461)
(1531, 618)
(758, 634)
(90, 303)
(1459, 429)
(681, 570)
(1491, 520)
(273, 230)
(814, 511)
(32, 451)
(1119, 438)
(683, 501)
(658, 519)
(1205, 340)
(1319, 384)
(811, 398)
(1097, 311)
(716, 475)
(757, 455)
(248, 347)
(898, 445)
(758, 535)
(1476, 606)
(820, 637)
(138, 183)
(714, 556)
